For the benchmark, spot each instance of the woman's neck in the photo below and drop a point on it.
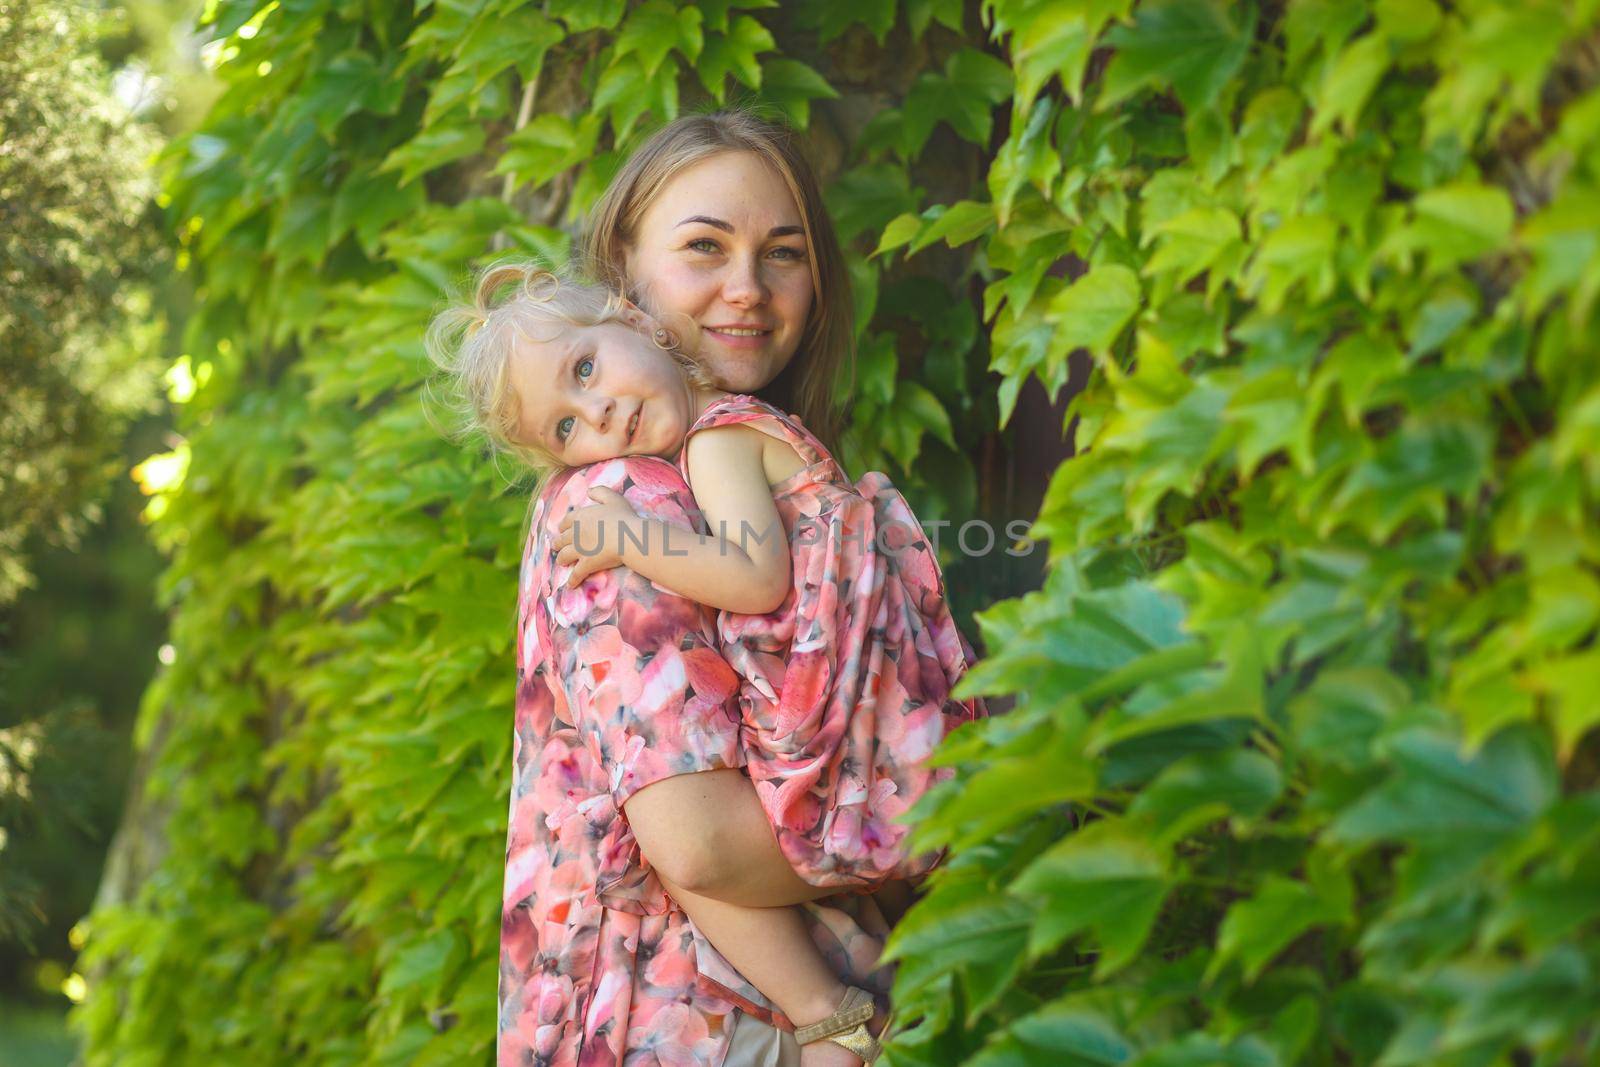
(702, 398)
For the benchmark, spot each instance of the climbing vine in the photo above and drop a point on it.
(1301, 765)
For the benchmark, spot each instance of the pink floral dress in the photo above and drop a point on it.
(844, 690)
(619, 685)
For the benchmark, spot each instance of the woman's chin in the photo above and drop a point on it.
(741, 371)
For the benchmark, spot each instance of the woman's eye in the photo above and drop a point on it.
(582, 363)
(788, 252)
(710, 245)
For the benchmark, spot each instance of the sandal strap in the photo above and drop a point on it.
(860, 1041)
(856, 1009)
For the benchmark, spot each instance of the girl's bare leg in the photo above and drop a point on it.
(772, 948)
(894, 898)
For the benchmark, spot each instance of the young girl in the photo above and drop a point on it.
(831, 603)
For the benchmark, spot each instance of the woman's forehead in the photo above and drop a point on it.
(739, 188)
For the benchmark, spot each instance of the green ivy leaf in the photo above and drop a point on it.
(1338, 719)
(1026, 158)
(628, 93)
(792, 85)
(520, 37)
(1434, 791)
(1107, 879)
(1204, 787)
(548, 145)
(965, 97)
(1256, 930)
(1055, 43)
(960, 929)
(1192, 242)
(1569, 682)
(920, 13)
(367, 203)
(1349, 83)
(830, 18)
(583, 15)
(715, 12)
(351, 82)
(431, 149)
(1063, 1033)
(300, 232)
(1413, 472)
(656, 28)
(1459, 222)
(866, 198)
(426, 964)
(1193, 46)
(734, 53)
(1092, 311)
(900, 231)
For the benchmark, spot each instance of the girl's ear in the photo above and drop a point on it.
(636, 317)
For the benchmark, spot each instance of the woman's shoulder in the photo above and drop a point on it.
(742, 407)
(736, 402)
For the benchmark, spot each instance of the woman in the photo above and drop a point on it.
(619, 780)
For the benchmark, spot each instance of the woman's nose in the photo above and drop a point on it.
(744, 286)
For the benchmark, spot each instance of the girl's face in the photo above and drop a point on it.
(592, 393)
(723, 244)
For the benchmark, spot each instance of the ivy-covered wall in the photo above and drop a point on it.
(1300, 768)
(313, 867)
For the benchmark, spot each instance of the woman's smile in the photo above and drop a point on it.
(744, 338)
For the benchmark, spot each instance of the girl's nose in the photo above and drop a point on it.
(600, 412)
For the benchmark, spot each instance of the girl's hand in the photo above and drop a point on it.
(596, 530)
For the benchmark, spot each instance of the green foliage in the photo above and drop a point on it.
(75, 260)
(330, 746)
(1315, 663)
(82, 295)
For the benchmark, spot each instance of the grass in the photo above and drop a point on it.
(35, 1036)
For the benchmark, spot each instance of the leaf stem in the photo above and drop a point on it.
(530, 92)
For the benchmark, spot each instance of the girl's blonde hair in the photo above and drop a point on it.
(806, 386)
(471, 341)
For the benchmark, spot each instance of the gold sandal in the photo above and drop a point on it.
(847, 1026)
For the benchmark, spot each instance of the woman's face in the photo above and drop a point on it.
(723, 244)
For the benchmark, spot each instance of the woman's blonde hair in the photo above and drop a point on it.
(471, 342)
(806, 385)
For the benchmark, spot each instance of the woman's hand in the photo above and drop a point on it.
(590, 538)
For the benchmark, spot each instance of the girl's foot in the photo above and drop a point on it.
(828, 1040)
(827, 1054)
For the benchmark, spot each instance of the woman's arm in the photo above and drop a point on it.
(708, 833)
(654, 702)
(742, 565)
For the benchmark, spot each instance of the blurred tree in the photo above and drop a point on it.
(86, 95)
(73, 246)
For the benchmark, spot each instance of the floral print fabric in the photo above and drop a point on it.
(619, 685)
(844, 690)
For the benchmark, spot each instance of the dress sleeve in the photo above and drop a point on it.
(636, 668)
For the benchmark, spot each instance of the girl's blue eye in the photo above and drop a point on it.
(585, 362)
(563, 428)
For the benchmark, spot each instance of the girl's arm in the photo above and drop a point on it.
(742, 565)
